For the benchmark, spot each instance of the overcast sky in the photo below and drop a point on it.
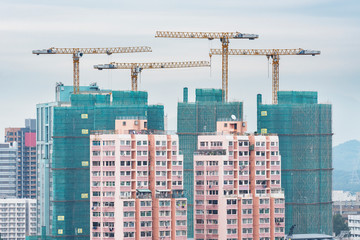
(330, 26)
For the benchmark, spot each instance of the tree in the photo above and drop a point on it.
(339, 224)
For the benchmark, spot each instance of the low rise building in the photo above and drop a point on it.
(17, 218)
(136, 184)
(354, 226)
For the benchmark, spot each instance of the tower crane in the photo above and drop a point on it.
(275, 55)
(137, 68)
(77, 53)
(224, 38)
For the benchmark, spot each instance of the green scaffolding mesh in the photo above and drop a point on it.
(305, 136)
(71, 152)
(194, 119)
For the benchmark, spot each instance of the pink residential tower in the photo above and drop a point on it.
(237, 179)
(136, 184)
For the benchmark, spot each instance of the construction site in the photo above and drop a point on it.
(303, 125)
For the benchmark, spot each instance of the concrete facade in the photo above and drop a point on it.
(237, 192)
(8, 164)
(17, 218)
(25, 138)
(354, 226)
(136, 184)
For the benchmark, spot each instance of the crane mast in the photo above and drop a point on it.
(224, 38)
(136, 68)
(274, 54)
(77, 53)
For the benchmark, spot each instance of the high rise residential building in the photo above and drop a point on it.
(136, 183)
(25, 138)
(237, 181)
(197, 118)
(8, 164)
(305, 135)
(17, 218)
(44, 142)
(65, 160)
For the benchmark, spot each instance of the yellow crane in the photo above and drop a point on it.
(275, 55)
(224, 38)
(136, 68)
(77, 53)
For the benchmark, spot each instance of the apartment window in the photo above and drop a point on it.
(247, 220)
(129, 224)
(129, 214)
(231, 221)
(96, 143)
(145, 203)
(145, 223)
(109, 143)
(247, 201)
(129, 203)
(108, 163)
(264, 220)
(247, 230)
(96, 153)
(231, 211)
(145, 234)
(145, 213)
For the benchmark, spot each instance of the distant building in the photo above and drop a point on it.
(17, 218)
(8, 164)
(305, 134)
(25, 138)
(346, 203)
(237, 181)
(44, 141)
(354, 226)
(136, 179)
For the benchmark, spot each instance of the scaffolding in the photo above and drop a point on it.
(305, 136)
(71, 152)
(194, 119)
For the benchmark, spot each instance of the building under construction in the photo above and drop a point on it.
(305, 136)
(197, 118)
(72, 123)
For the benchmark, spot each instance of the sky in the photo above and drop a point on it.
(327, 25)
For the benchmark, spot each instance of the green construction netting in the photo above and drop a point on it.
(194, 119)
(208, 95)
(305, 136)
(71, 152)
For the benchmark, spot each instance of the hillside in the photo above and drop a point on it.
(345, 158)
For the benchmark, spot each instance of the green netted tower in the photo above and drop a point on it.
(305, 136)
(71, 152)
(197, 118)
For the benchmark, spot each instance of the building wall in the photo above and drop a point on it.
(354, 226)
(44, 145)
(17, 218)
(8, 169)
(26, 165)
(238, 188)
(194, 119)
(136, 187)
(305, 134)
